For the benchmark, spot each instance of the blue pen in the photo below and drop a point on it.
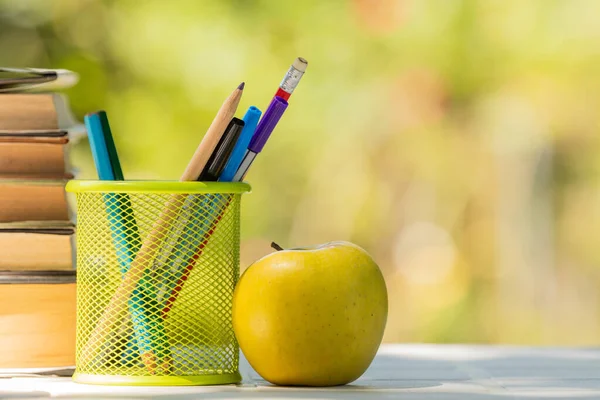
(187, 236)
(250, 121)
(208, 208)
(123, 229)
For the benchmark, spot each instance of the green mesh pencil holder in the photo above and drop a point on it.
(157, 263)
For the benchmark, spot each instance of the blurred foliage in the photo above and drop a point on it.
(456, 141)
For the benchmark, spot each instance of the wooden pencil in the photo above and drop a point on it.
(213, 135)
(117, 307)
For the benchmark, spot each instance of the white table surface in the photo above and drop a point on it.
(446, 372)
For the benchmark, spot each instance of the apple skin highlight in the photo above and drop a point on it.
(311, 316)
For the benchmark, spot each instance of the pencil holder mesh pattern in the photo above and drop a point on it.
(157, 263)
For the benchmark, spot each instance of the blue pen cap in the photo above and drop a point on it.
(250, 122)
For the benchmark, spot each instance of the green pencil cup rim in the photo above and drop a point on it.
(161, 187)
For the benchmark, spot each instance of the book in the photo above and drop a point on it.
(37, 246)
(33, 200)
(43, 156)
(42, 133)
(35, 79)
(37, 319)
(26, 112)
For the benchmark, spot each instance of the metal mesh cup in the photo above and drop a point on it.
(157, 263)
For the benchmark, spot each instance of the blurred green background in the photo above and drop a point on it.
(456, 141)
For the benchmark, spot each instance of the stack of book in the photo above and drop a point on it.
(36, 229)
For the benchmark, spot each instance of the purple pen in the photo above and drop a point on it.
(264, 129)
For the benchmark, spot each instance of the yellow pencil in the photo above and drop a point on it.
(117, 307)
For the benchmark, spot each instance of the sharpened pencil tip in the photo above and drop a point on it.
(241, 87)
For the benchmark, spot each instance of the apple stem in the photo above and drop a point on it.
(276, 246)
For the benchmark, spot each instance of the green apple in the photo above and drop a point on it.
(311, 316)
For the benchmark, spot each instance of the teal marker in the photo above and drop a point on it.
(148, 331)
